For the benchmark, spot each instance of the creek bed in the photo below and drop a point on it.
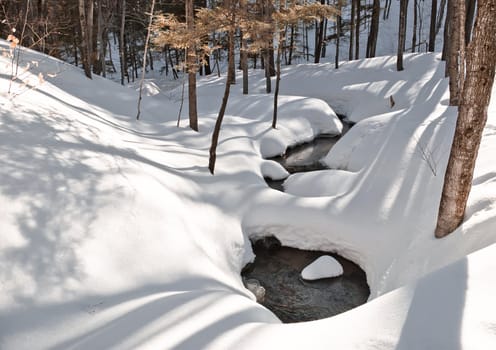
(278, 269)
(292, 299)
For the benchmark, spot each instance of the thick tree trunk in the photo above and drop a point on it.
(432, 29)
(191, 66)
(401, 34)
(244, 62)
(472, 116)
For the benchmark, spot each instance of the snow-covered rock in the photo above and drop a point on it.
(323, 267)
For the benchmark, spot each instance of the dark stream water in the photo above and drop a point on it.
(293, 299)
(307, 156)
(277, 268)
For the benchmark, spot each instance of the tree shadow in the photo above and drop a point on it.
(435, 317)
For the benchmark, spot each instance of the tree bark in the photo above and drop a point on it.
(401, 34)
(191, 66)
(122, 42)
(472, 116)
(415, 20)
(85, 54)
(469, 20)
(143, 70)
(215, 135)
(432, 29)
(352, 30)
(453, 51)
(278, 79)
(357, 30)
(374, 29)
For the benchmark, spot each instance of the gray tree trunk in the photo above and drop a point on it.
(402, 34)
(191, 66)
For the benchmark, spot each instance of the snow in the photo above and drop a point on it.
(324, 266)
(113, 234)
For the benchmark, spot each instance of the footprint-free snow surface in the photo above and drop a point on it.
(114, 235)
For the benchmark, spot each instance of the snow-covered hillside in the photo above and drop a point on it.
(113, 234)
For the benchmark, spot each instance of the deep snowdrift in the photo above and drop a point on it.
(113, 233)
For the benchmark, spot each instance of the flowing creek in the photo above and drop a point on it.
(278, 268)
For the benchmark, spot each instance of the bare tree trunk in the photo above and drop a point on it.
(357, 30)
(440, 16)
(101, 40)
(432, 29)
(122, 43)
(387, 8)
(191, 67)
(278, 79)
(143, 71)
(244, 62)
(85, 54)
(446, 38)
(402, 34)
(89, 17)
(469, 21)
(352, 30)
(319, 36)
(291, 44)
(338, 36)
(225, 98)
(374, 29)
(415, 20)
(453, 52)
(472, 116)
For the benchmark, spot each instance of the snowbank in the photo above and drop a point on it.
(114, 235)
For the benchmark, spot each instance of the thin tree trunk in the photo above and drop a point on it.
(440, 16)
(85, 54)
(244, 62)
(374, 29)
(357, 30)
(402, 34)
(446, 37)
(191, 67)
(352, 30)
(338, 37)
(278, 79)
(453, 53)
(291, 44)
(415, 20)
(469, 21)
(122, 43)
(143, 71)
(319, 36)
(225, 98)
(472, 116)
(432, 29)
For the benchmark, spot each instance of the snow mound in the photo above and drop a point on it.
(323, 267)
(320, 183)
(273, 170)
